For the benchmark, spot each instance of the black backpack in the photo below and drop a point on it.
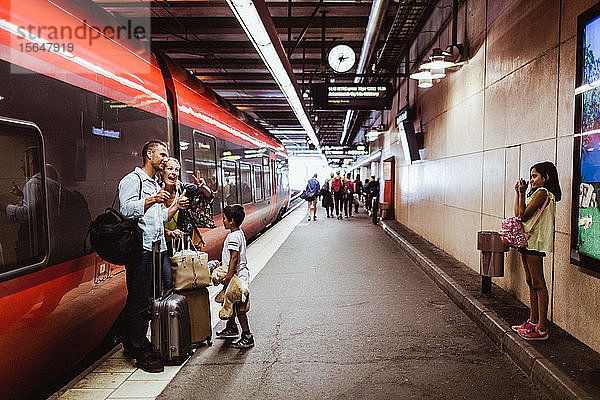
(115, 238)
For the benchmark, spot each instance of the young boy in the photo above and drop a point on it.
(234, 255)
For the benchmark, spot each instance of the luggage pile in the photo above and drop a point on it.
(181, 318)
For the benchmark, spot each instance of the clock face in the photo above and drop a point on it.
(341, 58)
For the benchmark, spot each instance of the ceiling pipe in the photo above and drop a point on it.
(378, 11)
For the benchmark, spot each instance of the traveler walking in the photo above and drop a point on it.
(543, 195)
(234, 255)
(373, 191)
(327, 196)
(358, 187)
(337, 187)
(311, 194)
(140, 196)
(349, 195)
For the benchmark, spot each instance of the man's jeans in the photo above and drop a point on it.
(136, 314)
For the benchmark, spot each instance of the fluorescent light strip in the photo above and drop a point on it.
(248, 17)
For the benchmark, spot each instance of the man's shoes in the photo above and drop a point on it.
(245, 342)
(150, 363)
(309, 218)
(315, 218)
(230, 331)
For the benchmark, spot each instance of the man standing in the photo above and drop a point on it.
(358, 186)
(141, 197)
(312, 193)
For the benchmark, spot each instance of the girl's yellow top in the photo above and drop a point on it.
(542, 232)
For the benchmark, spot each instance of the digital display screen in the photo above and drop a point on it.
(585, 224)
(352, 96)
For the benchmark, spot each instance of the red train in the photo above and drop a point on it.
(75, 111)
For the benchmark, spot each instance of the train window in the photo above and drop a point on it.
(205, 163)
(245, 183)
(267, 172)
(258, 181)
(273, 169)
(186, 144)
(229, 183)
(23, 215)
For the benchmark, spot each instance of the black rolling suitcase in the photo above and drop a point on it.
(170, 325)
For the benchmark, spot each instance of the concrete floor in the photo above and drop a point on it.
(339, 311)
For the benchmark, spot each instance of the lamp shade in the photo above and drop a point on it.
(425, 83)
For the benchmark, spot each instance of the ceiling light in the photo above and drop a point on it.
(372, 136)
(425, 83)
(425, 78)
(248, 16)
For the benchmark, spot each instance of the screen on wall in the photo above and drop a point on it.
(585, 224)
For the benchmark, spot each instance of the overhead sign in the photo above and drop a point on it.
(352, 96)
(359, 150)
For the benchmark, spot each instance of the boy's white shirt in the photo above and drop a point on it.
(236, 241)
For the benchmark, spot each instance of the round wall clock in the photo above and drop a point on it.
(341, 58)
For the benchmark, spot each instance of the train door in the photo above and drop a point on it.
(205, 162)
(245, 183)
(257, 182)
(230, 183)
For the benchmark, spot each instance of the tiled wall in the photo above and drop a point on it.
(510, 106)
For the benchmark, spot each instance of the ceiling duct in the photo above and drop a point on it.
(409, 16)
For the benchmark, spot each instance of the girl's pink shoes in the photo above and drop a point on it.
(526, 325)
(533, 334)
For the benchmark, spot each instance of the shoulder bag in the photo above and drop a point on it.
(512, 233)
(189, 267)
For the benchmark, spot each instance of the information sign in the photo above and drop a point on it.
(352, 96)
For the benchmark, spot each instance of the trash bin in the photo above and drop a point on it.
(384, 209)
(492, 249)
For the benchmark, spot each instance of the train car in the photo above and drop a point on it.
(73, 120)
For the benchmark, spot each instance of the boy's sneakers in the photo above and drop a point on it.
(533, 334)
(230, 331)
(246, 341)
(525, 325)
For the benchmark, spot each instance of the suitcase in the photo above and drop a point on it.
(170, 325)
(199, 306)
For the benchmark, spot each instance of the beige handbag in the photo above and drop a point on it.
(190, 268)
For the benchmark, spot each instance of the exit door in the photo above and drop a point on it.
(389, 182)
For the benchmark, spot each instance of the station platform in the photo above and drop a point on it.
(340, 309)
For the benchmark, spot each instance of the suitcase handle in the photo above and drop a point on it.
(156, 256)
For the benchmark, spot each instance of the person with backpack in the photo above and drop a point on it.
(373, 191)
(337, 188)
(327, 197)
(140, 196)
(311, 194)
(349, 195)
